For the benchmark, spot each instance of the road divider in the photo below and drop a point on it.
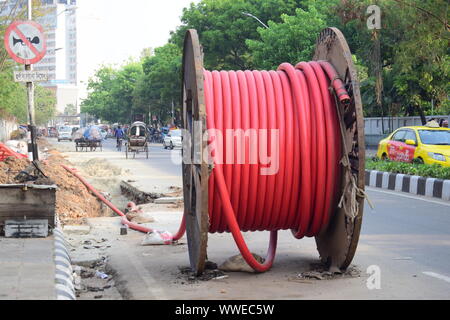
(430, 187)
(64, 288)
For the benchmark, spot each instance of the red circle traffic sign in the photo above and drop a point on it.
(25, 42)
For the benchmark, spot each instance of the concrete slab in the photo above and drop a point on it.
(27, 270)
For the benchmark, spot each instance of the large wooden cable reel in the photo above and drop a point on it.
(337, 243)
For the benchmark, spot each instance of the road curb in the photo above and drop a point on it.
(430, 187)
(64, 288)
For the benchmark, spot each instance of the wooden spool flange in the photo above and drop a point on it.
(337, 243)
(195, 167)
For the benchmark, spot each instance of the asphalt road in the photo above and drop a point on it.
(406, 237)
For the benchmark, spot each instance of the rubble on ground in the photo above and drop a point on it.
(174, 197)
(73, 200)
(211, 272)
(18, 134)
(10, 168)
(136, 195)
(94, 281)
(321, 272)
(175, 192)
(99, 167)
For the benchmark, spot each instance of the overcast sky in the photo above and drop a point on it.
(111, 31)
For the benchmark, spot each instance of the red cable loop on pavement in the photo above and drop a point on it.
(301, 196)
(125, 221)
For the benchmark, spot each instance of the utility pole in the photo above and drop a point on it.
(374, 24)
(379, 87)
(32, 147)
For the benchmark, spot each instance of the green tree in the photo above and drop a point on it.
(224, 28)
(414, 52)
(45, 105)
(70, 110)
(14, 100)
(111, 91)
(292, 40)
(13, 97)
(123, 89)
(160, 85)
(99, 98)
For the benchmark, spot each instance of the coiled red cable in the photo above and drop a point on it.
(301, 195)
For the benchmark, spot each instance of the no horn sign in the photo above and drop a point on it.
(25, 42)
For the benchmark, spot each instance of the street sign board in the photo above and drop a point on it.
(25, 42)
(30, 76)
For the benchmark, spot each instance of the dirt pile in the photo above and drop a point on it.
(99, 167)
(10, 168)
(174, 192)
(321, 272)
(73, 200)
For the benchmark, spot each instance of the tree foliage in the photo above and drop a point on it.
(14, 101)
(292, 40)
(160, 85)
(13, 97)
(414, 53)
(70, 110)
(45, 105)
(224, 28)
(111, 93)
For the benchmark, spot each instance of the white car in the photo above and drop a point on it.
(65, 133)
(172, 139)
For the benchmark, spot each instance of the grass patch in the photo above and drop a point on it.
(415, 169)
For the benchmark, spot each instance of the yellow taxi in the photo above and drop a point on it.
(426, 144)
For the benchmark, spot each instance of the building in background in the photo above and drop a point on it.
(60, 25)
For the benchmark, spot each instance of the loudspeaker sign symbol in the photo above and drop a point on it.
(35, 40)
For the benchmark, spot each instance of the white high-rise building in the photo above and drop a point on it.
(60, 25)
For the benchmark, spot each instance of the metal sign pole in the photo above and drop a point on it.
(30, 89)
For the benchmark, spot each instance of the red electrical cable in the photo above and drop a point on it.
(125, 221)
(300, 195)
